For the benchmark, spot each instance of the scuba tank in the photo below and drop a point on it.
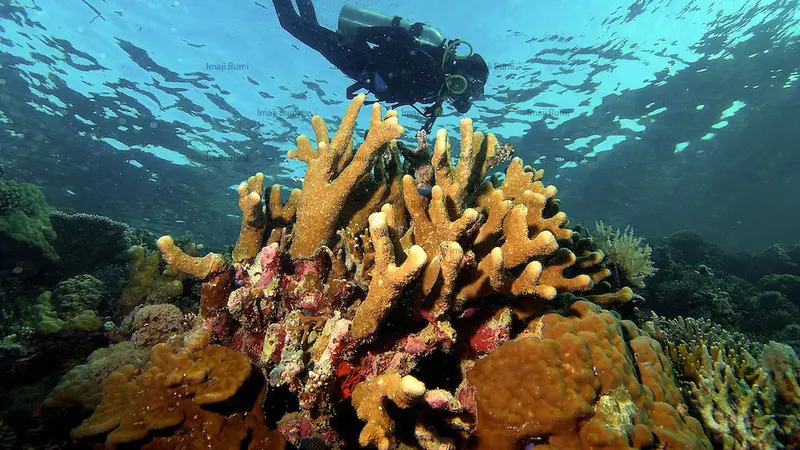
(351, 18)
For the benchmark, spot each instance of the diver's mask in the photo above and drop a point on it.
(462, 90)
(460, 86)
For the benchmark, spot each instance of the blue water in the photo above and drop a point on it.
(158, 134)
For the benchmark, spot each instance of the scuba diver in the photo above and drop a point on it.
(398, 61)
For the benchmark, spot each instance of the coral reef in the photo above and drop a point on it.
(746, 394)
(86, 242)
(147, 282)
(750, 293)
(349, 290)
(83, 384)
(153, 324)
(171, 389)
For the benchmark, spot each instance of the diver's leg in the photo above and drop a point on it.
(287, 16)
(307, 11)
(348, 59)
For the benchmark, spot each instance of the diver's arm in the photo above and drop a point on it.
(432, 113)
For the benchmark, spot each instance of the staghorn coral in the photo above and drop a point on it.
(587, 380)
(746, 394)
(358, 280)
(625, 251)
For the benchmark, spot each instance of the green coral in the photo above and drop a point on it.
(70, 307)
(625, 251)
(146, 282)
(24, 217)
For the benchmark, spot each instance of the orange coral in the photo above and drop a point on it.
(388, 280)
(334, 173)
(194, 265)
(208, 430)
(581, 384)
(169, 387)
(471, 251)
(368, 400)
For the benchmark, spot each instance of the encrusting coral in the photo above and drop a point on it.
(171, 388)
(587, 380)
(84, 383)
(349, 290)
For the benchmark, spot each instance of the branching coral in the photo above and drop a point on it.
(359, 279)
(626, 251)
(746, 395)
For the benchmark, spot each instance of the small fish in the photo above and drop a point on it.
(17, 270)
(69, 192)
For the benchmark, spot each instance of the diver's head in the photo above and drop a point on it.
(465, 81)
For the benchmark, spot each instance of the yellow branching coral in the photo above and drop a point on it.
(456, 183)
(433, 225)
(251, 236)
(333, 174)
(280, 215)
(369, 400)
(388, 280)
(193, 265)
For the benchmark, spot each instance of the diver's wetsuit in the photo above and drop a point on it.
(396, 68)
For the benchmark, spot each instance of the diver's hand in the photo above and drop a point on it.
(432, 113)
